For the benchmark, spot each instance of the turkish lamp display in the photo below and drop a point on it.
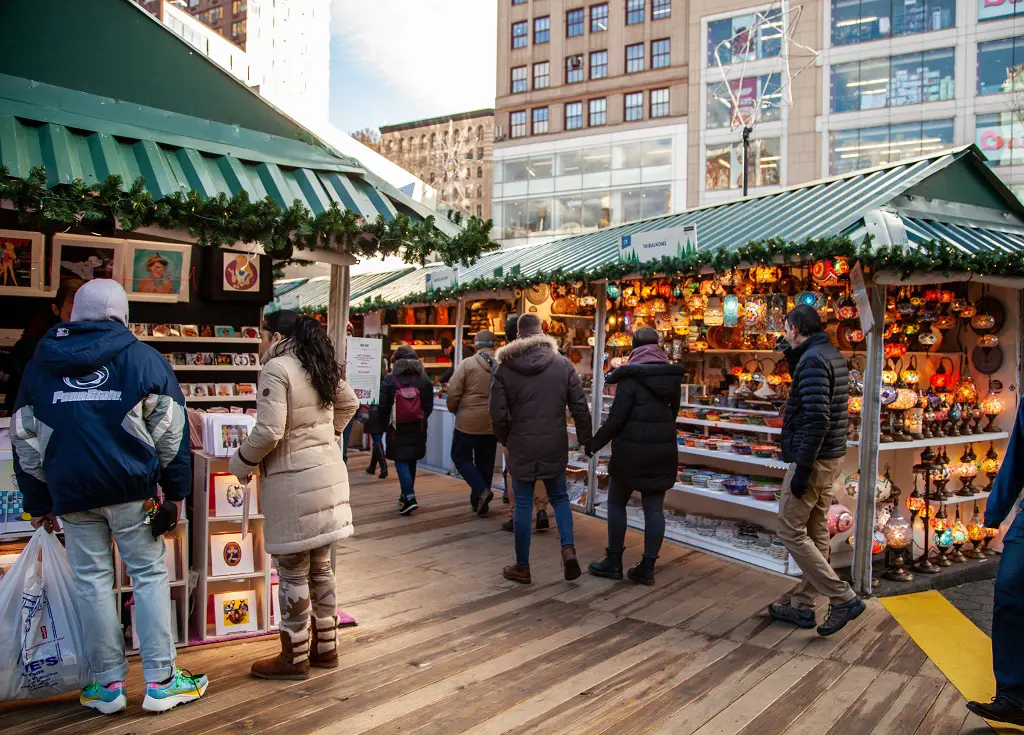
(899, 536)
(992, 406)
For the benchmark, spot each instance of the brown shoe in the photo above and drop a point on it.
(324, 652)
(571, 563)
(291, 664)
(517, 573)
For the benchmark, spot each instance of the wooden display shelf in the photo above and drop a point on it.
(590, 318)
(206, 340)
(729, 425)
(217, 368)
(434, 365)
(219, 399)
(943, 441)
(774, 464)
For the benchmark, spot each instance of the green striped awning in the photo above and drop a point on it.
(969, 238)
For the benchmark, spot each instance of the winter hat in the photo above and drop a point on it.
(511, 327)
(484, 338)
(529, 325)
(101, 300)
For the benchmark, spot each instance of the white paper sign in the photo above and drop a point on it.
(362, 368)
(672, 242)
(442, 278)
(860, 297)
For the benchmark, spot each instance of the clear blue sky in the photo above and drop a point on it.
(393, 61)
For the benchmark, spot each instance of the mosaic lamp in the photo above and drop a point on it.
(990, 466)
(959, 531)
(992, 406)
(976, 535)
(899, 535)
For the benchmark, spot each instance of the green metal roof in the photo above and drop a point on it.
(314, 293)
(413, 282)
(79, 135)
(967, 238)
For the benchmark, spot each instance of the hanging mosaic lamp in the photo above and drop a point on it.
(613, 291)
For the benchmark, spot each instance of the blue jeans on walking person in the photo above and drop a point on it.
(406, 478)
(473, 456)
(1008, 616)
(92, 563)
(558, 496)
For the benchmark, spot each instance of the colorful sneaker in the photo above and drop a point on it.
(106, 699)
(181, 689)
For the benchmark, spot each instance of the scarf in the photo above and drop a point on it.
(648, 355)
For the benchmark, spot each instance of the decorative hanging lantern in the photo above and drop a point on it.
(613, 291)
(829, 272)
(940, 378)
(731, 310)
(932, 295)
(895, 349)
(755, 314)
(846, 308)
(889, 375)
(945, 322)
(714, 312)
(915, 501)
(966, 390)
(988, 341)
(983, 322)
(992, 406)
(969, 312)
(766, 274)
(839, 519)
(910, 375)
(810, 298)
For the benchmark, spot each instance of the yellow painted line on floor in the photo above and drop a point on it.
(957, 647)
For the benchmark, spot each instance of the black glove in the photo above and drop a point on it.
(801, 478)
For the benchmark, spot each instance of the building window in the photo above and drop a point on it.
(479, 211)
(661, 53)
(901, 80)
(574, 22)
(661, 9)
(573, 115)
(238, 28)
(237, 7)
(216, 15)
(469, 155)
(479, 154)
(733, 107)
(598, 112)
(518, 2)
(634, 58)
(479, 173)
(635, 11)
(598, 64)
(723, 168)
(746, 37)
(850, 150)
(542, 29)
(997, 63)
(518, 79)
(857, 21)
(517, 122)
(574, 69)
(542, 75)
(1001, 137)
(999, 9)
(540, 121)
(599, 18)
(659, 103)
(479, 190)
(634, 106)
(520, 34)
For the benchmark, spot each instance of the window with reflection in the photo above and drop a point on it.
(727, 100)
(598, 112)
(574, 22)
(745, 37)
(724, 164)
(634, 11)
(634, 106)
(569, 163)
(573, 115)
(541, 75)
(598, 64)
(520, 34)
(517, 124)
(518, 79)
(850, 150)
(627, 155)
(542, 166)
(656, 152)
(999, 66)
(597, 160)
(599, 18)
(574, 69)
(858, 21)
(517, 169)
(661, 9)
(1001, 138)
(634, 58)
(661, 53)
(908, 79)
(542, 29)
(659, 103)
(540, 121)
(597, 210)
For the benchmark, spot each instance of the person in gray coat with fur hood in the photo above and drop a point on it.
(533, 386)
(302, 407)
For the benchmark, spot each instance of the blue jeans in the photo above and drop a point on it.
(1008, 616)
(473, 456)
(92, 563)
(523, 513)
(406, 478)
(378, 440)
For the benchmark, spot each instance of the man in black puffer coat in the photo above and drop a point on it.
(814, 443)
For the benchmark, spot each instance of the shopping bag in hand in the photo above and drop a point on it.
(41, 651)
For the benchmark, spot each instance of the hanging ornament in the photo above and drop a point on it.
(613, 291)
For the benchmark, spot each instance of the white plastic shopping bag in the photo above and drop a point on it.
(41, 651)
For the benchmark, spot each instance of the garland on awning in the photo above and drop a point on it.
(929, 257)
(221, 220)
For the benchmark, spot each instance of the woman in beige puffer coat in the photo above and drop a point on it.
(302, 406)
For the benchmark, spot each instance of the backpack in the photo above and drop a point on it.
(408, 407)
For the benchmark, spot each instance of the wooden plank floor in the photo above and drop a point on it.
(445, 645)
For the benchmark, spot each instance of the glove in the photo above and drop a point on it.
(588, 449)
(801, 478)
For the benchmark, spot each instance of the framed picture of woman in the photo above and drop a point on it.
(85, 257)
(21, 262)
(158, 271)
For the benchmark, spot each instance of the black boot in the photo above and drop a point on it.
(508, 526)
(610, 568)
(373, 461)
(643, 572)
(383, 462)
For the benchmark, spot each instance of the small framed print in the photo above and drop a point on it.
(245, 389)
(205, 330)
(240, 359)
(186, 389)
(250, 332)
(225, 390)
(208, 358)
(178, 358)
(193, 358)
(224, 359)
(189, 331)
(235, 612)
(157, 271)
(254, 359)
(225, 332)
(21, 262)
(85, 258)
(275, 604)
(229, 496)
(231, 555)
(199, 390)
(140, 330)
(241, 272)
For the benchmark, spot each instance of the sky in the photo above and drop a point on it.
(394, 61)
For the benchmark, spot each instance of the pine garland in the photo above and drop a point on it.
(221, 220)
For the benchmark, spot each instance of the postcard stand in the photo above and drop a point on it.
(254, 585)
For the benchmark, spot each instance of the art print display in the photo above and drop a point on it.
(241, 272)
(13, 518)
(224, 433)
(158, 272)
(228, 496)
(21, 262)
(231, 555)
(235, 612)
(85, 258)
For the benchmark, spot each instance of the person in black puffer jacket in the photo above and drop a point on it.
(406, 440)
(642, 429)
(814, 443)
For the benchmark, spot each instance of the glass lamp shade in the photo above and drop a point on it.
(889, 377)
(967, 391)
(981, 322)
(745, 377)
(613, 291)
(732, 310)
(939, 381)
(898, 532)
(839, 519)
(939, 523)
(991, 533)
(968, 312)
(878, 542)
(967, 469)
(944, 538)
(910, 377)
(988, 341)
(856, 404)
(915, 503)
(905, 399)
(700, 345)
(959, 532)
(714, 312)
(914, 421)
(766, 274)
(976, 528)
(948, 399)
(775, 379)
(991, 405)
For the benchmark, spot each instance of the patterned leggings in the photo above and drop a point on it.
(306, 584)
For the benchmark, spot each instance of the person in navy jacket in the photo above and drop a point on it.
(99, 422)
(1008, 613)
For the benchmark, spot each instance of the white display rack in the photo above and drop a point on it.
(773, 464)
(958, 499)
(728, 409)
(730, 426)
(217, 368)
(726, 497)
(940, 441)
(220, 399)
(205, 340)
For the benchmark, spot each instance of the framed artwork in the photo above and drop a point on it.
(231, 555)
(158, 271)
(235, 612)
(21, 262)
(234, 275)
(240, 272)
(223, 433)
(85, 257)
(229, 496)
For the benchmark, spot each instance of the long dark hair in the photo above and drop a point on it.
(313, 348)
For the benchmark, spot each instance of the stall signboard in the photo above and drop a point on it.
(444, 278)
(671, 242)
(362, 368)
(993, 9)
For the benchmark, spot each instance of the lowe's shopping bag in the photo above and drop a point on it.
(41, 651)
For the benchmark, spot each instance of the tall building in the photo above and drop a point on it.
(608, 112)
(453, 154)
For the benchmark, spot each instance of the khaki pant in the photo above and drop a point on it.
(305, 584)
(540, 501)
(803, 528)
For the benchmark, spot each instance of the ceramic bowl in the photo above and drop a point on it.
(765, 493)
